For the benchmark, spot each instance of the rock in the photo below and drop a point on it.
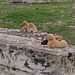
(23, 34)
(21, 55)
(39, 38)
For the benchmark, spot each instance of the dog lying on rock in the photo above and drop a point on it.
(44, 42)
(55, 43)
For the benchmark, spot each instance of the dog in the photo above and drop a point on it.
(32, 28)
(29, 27)
(44, 42)
(26, 25)
(53, 43)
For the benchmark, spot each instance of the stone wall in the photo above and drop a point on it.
(22, 54)
(38, 1)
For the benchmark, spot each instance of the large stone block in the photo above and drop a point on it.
(23, 55)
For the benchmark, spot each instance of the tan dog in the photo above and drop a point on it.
(58, 37)
(32, 28)
(26, 25)
(53, 43)
(29, 27)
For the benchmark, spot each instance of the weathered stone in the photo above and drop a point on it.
(22, 55)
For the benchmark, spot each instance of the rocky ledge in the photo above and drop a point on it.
(21, 54)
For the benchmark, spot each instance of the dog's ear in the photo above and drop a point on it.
(50, 37)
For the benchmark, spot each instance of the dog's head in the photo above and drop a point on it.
(50, 37)
(58, 38)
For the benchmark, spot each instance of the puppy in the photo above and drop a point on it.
(29, 27)
(46, 41)
(32, 28)
(53, 43)
(26, 25)
(58, 38)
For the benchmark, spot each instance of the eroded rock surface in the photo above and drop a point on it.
(23, 55)
(38, 35)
